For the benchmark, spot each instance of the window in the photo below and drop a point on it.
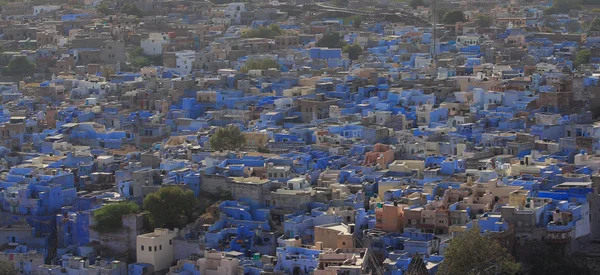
(150, 248)
(343, 243)
(142, 248)
(160, 247)
(170, 242)
(155, 248)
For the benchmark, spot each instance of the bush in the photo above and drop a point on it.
(259, 64)
(109, 217)
(264, 32)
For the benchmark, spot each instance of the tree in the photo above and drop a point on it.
(484, 21)
(552, 261)
(171, 207)
(472, 253)
(7, 268)
(563, 6)
(416, 3)
(227, 138)
(595, 25)
(108, 218)
(104, 9)
(353, 51)
(331, 40)
(19, 66)
(573, 26)
(453, 16)
(259, 64)
(264, 32)
(132, 9)
(138, 59)
(356, 21)
(583, 57)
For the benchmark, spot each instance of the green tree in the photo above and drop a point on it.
(472, 253)
(7, 268)
(259, 64)
(563, 6)
(583, 57)
(552, 261)
(19, 66)
(171, 207)
(104, 9)
(484, 21)
(138, 59)
(595, 25)
(353, 51)
(227, 138)
(264, 32)
(356, 21)
(416, 3)
(573, 26)
(108, 218)
(453, 16)
(331, 40)
(132, 9)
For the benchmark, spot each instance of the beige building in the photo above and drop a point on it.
(342, 261)
(335, 235)
(216, 263)
(156, 248)
(256, 139)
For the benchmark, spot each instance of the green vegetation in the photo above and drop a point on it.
(551, 261)
(573, 26)
(356, 20)
(227, 138)
(353, 51)
(595, 25)
(583, 57)
(171, 207)
(417, 3)
(138, 59)
(259, 64)
(472, 253)
(19, 66)
(564, 6)
(484, 21)
(453, 17)
(104, 9)
(264, 32)
(331, 40)
(7, 268)
(108, 218)
(132, 9)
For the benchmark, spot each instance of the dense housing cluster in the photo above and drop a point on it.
(299, 137)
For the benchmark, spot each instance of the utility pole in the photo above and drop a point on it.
(433, 28)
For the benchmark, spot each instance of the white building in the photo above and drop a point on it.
(156, 248)
(234, 11)
(184, 61)
(46, 8)
(153, 45)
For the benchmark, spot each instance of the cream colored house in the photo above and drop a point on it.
(156, 248)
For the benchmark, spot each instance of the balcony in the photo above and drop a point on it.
(559, 233)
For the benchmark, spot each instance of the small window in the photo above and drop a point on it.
(155, 248)
(150, 248)
(142, 248)
(170, 241)
(160, 247)
(343, 243)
